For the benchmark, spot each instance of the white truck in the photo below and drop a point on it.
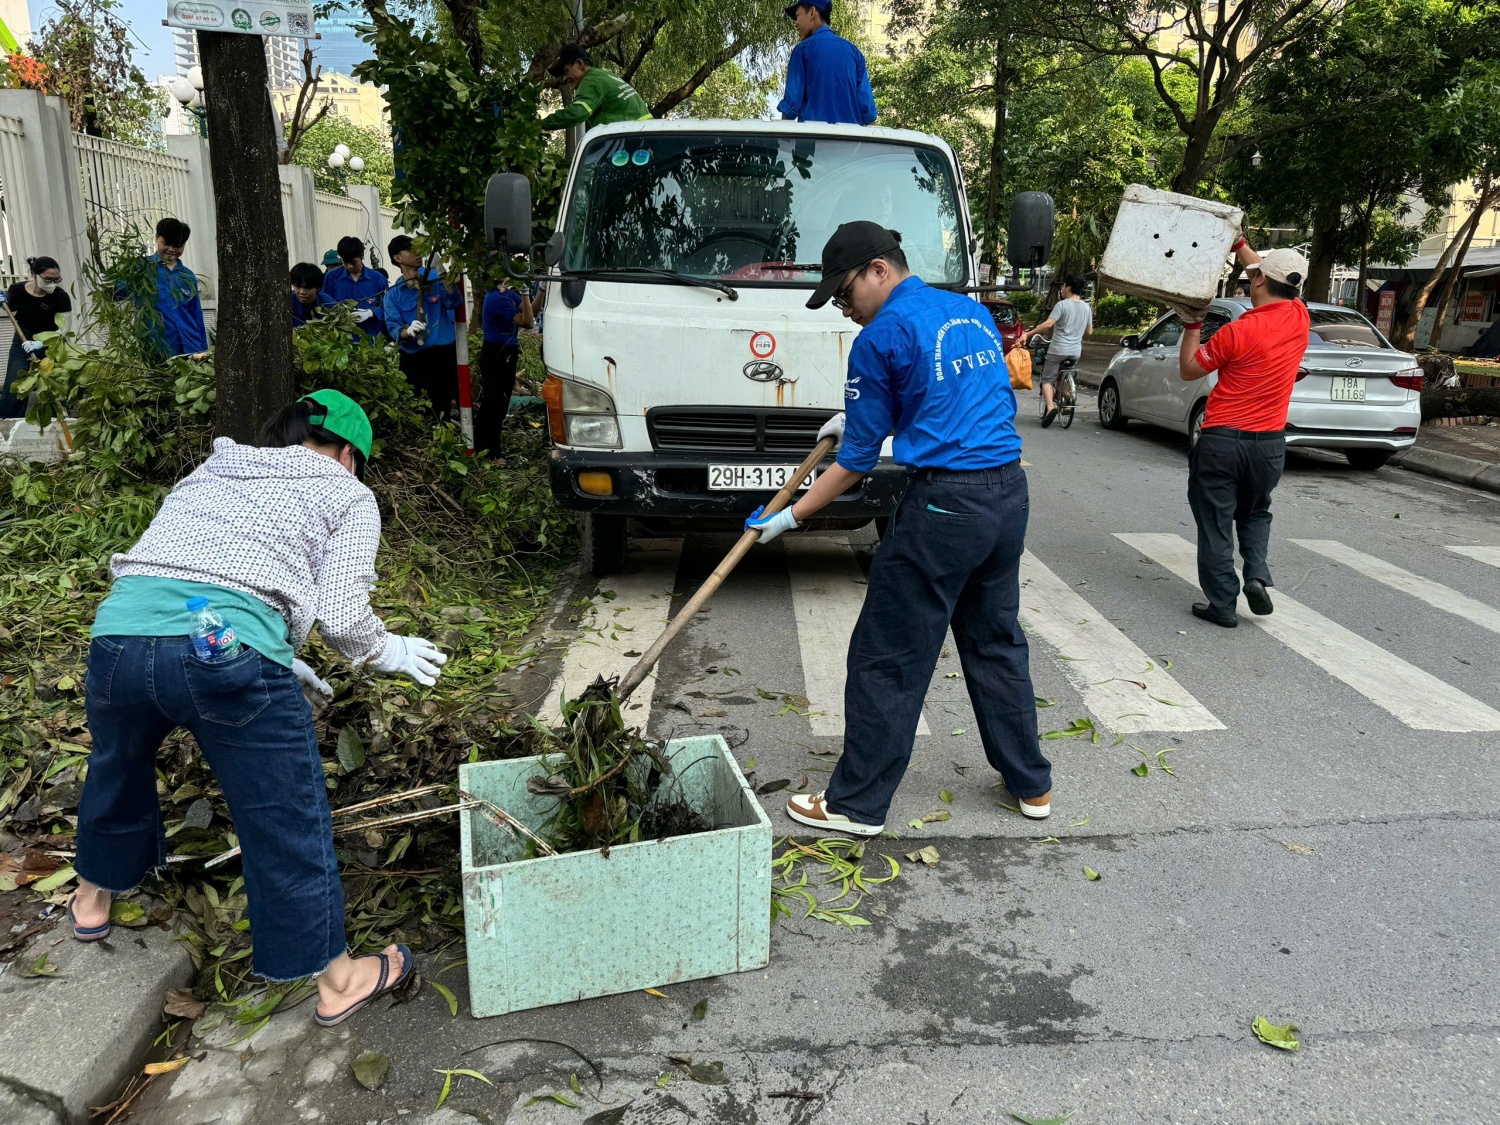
(685, 376)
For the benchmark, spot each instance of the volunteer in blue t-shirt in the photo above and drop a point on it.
(826, 78)
(506, 311)
(353, 281)
(419, 310)
(929, 368)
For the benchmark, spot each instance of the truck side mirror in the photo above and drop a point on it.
(1029, 241)
(507, 213)
(552, 253)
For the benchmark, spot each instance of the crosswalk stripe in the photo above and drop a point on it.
(1425, 589)
(1416, 698)
(628, 622)
(1489, 555)
(1124, 688)
(828, 592)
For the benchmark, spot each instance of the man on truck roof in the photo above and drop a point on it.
(599, 97)
(826, 78)
(929, 368)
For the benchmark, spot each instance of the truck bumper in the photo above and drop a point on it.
(667, 486)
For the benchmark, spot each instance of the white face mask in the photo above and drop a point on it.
(47, 286)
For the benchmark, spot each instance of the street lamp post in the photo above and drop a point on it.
(341, 162)
(188, 93)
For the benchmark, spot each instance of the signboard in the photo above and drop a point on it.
(1472, 307)
(292, 18)
(1385, 316)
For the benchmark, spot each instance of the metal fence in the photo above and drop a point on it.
(128, 189)
(17, 236)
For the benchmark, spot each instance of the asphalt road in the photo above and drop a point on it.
(1326, 851)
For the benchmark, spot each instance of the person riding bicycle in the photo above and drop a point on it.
(1071, 320)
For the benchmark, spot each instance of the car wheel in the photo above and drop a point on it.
(1367, 459)
(1195, 423)
(1111, 417)
(605, 541)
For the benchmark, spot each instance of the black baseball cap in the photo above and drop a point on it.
(852, 245)
(822, 5)
(570, 53)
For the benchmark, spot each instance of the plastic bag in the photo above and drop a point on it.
(1018, 359)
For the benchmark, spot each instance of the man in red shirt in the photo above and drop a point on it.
(1238, 458)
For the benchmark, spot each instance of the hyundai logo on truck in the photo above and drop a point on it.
(760, 371)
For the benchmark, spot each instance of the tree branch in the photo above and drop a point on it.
(647, 42)
(672, 100)
(589, 37)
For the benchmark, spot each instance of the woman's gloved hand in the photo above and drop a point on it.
(310, 679)
(411, 656)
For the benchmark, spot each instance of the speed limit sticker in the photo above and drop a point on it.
(762, 344)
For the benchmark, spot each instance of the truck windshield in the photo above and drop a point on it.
(757, 209)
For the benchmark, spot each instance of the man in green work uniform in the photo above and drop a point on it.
(599, 97)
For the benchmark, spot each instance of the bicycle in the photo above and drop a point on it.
(1065, 396)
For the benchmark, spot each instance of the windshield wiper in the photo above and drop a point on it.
(654, 271)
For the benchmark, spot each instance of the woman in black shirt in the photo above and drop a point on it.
(35, 303)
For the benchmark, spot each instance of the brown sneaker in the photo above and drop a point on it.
(813, 811)
(1037, 808)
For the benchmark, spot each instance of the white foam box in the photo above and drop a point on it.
(1168, 247)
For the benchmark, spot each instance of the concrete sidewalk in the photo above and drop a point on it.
(70, 1039)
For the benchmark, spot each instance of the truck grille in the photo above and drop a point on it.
(728, 430)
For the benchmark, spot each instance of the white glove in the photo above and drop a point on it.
(31, 347)
(362, 315)
(310, 679)
(1189, 313)
(417, 327)
(771, 526)
(412, 656)
(833, 428)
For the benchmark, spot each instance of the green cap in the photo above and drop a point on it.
(341, 416)
(331, 259)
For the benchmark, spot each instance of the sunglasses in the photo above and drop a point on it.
(841, 297)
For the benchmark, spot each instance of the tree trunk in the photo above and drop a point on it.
(253, 358)
(1321, 253)
(1406, 340)
(1460, 402)
(1194, 156)
(1481, 205)
(994, 188)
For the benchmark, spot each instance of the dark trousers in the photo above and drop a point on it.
(952, 555)
(17, 366)
(1231, 475)
(497, 374)
(434, 372)
(255, 728)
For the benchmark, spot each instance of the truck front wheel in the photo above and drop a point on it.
(604, 543)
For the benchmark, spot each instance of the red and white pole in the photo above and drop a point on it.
(461, 345)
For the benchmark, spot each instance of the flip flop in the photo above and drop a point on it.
(381, 988)
(85, 934)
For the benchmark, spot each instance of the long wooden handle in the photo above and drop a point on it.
(16, 324)
(637, 675)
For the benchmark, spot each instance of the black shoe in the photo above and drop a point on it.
(1258, 597)
(1049, 417)
(1206, 612)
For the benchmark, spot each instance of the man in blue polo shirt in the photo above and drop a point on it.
(419, 310)
(826, 79)
(929, 368)
(352, 281)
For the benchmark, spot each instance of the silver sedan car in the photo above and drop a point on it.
(1355, 393)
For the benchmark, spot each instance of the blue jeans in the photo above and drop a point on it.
(17, 367)
(255, 728)
(952, 555)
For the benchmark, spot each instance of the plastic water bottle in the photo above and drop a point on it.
(213, 637)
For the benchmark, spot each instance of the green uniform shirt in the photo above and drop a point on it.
(142, 606)
(602, 98)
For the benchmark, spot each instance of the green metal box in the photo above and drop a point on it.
(560, 928)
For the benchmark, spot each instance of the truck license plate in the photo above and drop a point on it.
(752, 478)
(1346, 388)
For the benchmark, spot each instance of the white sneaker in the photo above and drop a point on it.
(1035, 811)
(813, 811)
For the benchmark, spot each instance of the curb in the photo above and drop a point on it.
(68, 1042)
(1452, 467)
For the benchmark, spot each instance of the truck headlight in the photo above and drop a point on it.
(579, 414)
(593, 429)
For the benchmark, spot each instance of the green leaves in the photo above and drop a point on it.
(371, 1067)
(1141, 769)
(1073, 730)
(449, 1075)
(1090, 874)
(447, 994)
(1282, 1036)
(927, 856)
(351, 750)
(560, 1099)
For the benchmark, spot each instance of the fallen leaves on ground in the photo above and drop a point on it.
(1073, 730)
(928, 856)
(803, 873)
(1276, 1035)
(1297, 849)
(1041, 1120)
(1091, 875)
(448, 1076)
(700, 1009)
(370, 1068)
(165, 1067)
(182, 1004)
